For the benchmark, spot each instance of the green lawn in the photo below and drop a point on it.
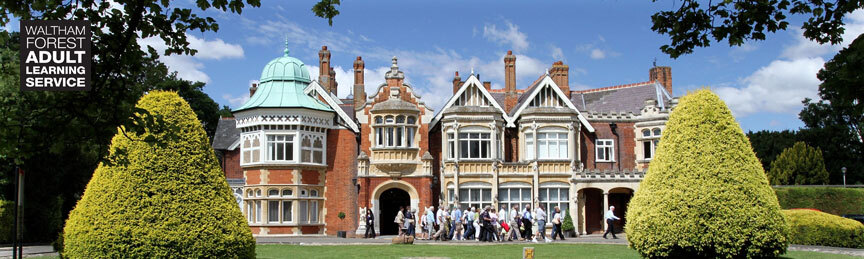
(466, 251)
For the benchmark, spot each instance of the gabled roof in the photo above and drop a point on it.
(547, 81)
(621, 98)
(332, 104)
(226, 135)
(472, 80)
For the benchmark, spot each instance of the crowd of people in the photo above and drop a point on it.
(481, 224)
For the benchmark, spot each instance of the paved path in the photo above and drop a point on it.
(29, 251)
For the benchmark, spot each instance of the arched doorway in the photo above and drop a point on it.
(620, 198)
(593, 210)
(391, 201)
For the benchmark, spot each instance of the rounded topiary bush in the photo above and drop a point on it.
(810, 227)
(160, 194)
(705, 194)
(799, 164)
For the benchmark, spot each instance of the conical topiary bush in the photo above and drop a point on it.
(705, 194)
(160, 195)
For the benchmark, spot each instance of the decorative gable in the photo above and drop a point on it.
(472, 96)
(547, 97)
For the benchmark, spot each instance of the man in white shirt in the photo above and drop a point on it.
(468, 216)
(514, 223)
(441, 220)
(541, 222)
(610, 219)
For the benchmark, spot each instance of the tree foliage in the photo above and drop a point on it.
(165, 198)
(58, 138)
(326, 9)
(799, 165)
(705, 194)
(769, 144)
(696, 23)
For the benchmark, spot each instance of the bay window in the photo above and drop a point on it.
(554, 194)
(477, 195)
(398, 131)
(605, 150)
(513, 194)
(474, 145)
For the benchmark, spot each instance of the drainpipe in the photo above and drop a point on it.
(617, 145)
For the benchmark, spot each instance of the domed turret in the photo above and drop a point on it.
(285, 68)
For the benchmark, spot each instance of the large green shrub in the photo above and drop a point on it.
(161, 194)
(705, 194)
(811, 227)
(800, 164)
(834, 200)
(567, 225)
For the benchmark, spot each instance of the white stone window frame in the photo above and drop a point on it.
(320, 151)
(651, 137)
(395, 131)
(248, 147)
(484, 190)
(293, 143)
(548, 204)
(479, 139)
(505, 198)
(604, 144)
(558, 131)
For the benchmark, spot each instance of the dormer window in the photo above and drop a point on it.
(395, 131)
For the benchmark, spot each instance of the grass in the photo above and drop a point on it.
(474, 252)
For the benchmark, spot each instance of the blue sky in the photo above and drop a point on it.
(604, 42)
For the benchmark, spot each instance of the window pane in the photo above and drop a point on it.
(463, 149)
(289, 149)
(304, 217)
(390, 137)
(286, 211)
(526, 194)
(411, 120)
(656, 132)
(410, 142)
(463, 195)
(313, 208)
(646, 149)
(475, 148)
(484, 149)
(543, 151)
(503, 195)
(399, 136)
(318, 155)
(318, 143)
(450, 194)
(272, 192)
(553, 149)
(257, 211)
(280, 151)
(487, 195)
(378, 120)
(544, 195)
(306, 155)
(562, 149)
(475, 194)
(379, 133)
(400, 119)
(646, 133)
(273, 211)
(287, 192)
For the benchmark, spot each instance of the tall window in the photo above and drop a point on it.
(287, 209)
(475, 196)
(605, 150)
(650, 140)
(451, 145)
(509, 197)
(396, 131)
(552, 145)
(474, 145)
(529, 146)
(551, 197)
(273, 211)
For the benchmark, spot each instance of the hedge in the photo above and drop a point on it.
(834, 200)
(705, 194)
(161, 194)
(810, 227)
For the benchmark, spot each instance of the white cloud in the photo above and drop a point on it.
(190, 67)
(510, 36)
(235, 101)
(597, 54)
(557, 53)
(778, 87)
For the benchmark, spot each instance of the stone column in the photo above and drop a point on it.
(605, 207)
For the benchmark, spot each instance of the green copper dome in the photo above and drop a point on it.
(281, 86)
(285, 68)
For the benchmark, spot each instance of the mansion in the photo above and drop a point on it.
(303, 161)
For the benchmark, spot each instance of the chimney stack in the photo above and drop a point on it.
(252, 89)
(487, 85)
(334, 85)
(510, 96)
(560, 74)
(662, 75)
(457, 82)
(324, 70)
(359, 85)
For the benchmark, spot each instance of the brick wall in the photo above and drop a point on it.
(231, 164)
(341, 194)
(624, 145)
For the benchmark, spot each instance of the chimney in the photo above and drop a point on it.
(324, 70)
(561, 76)
(457, 82)
(510, 96)
(487, 85)
(359, 86)
(252, 89)
(662, 75)
(334, 85)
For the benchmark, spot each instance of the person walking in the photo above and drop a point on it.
(556, 224)
(514, 223)
(487, 225)
(409, 222)
(494, 229)
(610, 220)
(455, 224)
(430, 222)
(469, 224)
(441, 219)
(527, 218)
(477, 223)
(540, 215)
(370, 224)
(400, 219)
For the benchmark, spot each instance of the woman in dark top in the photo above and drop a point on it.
(370, 224)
